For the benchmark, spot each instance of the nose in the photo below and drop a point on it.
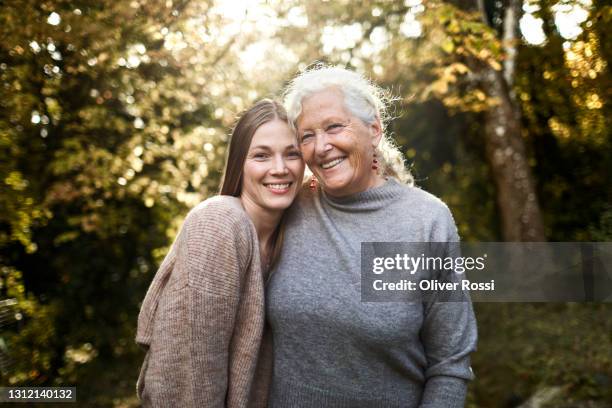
(280, 167)
(321, 144)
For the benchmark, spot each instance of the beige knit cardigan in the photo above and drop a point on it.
(202, 320)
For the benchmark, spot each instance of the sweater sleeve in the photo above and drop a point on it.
(187, 364)
(448, 334)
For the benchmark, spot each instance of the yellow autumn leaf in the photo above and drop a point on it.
(495, 65)
(448, 46)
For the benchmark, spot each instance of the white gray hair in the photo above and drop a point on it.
(362, 98)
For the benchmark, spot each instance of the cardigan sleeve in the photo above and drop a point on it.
(188, 360)
(448, 334)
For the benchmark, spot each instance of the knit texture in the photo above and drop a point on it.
(331, 349)
(202, 320)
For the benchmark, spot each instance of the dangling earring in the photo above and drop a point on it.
(375, 162)
(313, 183)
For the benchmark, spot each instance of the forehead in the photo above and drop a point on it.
(321, 106)
(273, 133)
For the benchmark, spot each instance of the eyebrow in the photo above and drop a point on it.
(264, 147)
(326, 122)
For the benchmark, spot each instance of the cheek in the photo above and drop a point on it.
(253, 171)
(357, 160)
(247, 171)
(295, 167)
(358, 157)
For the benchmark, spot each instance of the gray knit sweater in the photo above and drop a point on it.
(331, 349)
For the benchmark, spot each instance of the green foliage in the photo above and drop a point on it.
(602, 230)
(32, 332)
(102, 150)
(562, 89)
(525, 346)
(113, 122)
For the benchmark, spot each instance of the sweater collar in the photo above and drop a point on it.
(370, 200)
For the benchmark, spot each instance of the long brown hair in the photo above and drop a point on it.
(264, 111)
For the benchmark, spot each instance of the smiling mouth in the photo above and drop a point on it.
(278, 186)
(332, 163)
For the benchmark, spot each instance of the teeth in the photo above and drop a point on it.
(278, 186)
(332, 163)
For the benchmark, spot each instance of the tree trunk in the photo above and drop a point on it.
(517, 201)
(505, 151)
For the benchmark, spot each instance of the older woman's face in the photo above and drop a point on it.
(337, 146)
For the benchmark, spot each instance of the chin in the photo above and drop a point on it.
(335, 186)
(279, 203)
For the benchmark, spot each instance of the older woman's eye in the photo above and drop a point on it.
(306, 137)
(260, 156)
(335, 127)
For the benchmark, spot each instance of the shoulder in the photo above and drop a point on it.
(418, 197)
(221, 208)
(215, 247)
(431, 209)
(220, 214)
(423, 201)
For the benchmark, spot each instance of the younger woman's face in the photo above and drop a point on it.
(273, 169)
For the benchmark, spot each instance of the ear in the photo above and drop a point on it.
(376, 131)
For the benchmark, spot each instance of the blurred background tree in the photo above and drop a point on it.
(106, 140)
(114, 120)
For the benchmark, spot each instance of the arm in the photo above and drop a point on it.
(187, 363)
(449, 336)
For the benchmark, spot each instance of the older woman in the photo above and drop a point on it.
(330, 348)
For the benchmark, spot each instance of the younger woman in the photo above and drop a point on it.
(202, 319)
